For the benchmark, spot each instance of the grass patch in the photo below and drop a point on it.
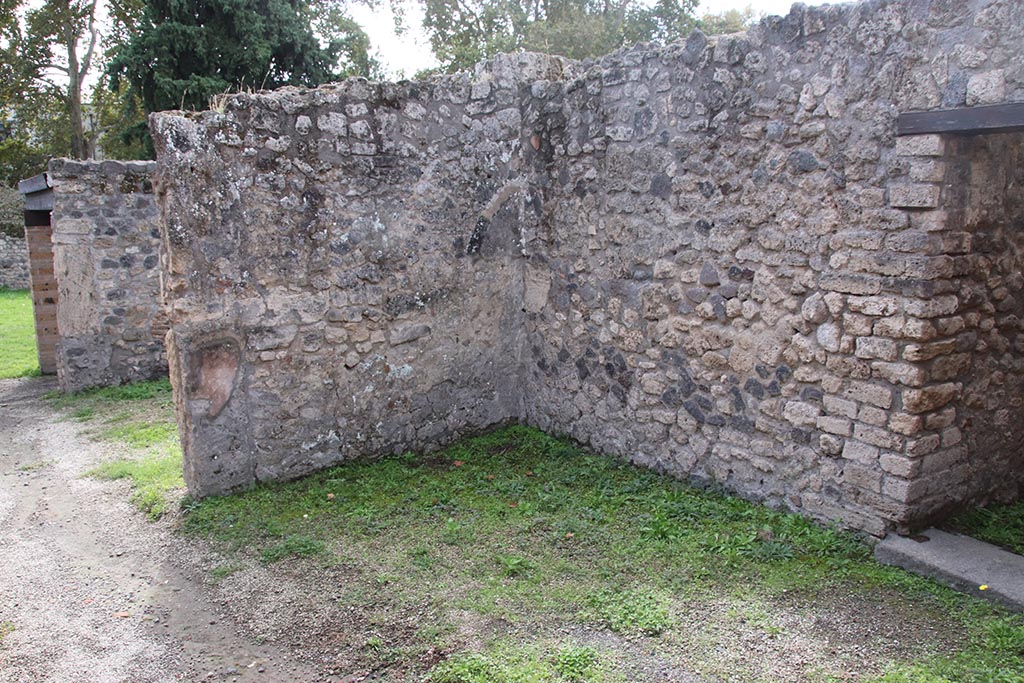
(154, 477)
(6, 628)
(538, 534)
(292, 546)
(223, 571)
(18, 357)
(142, 434)
(1001, 525)
(35, 466)
(510, 663)
(995, 654)
(632, 611)
(103, 399)
(140, 417)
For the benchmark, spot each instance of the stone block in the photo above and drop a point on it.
(859, 476)
(878, 395)
(874, 305)
(861, 452)
(931, 145)
(905, 424)
(914, 196)
(873, 416)
(900, 373)
(934, 307)
(923, 445)
(851, 284)
(927, 170)
(987, 87)
(930, 398)
(877, 437)
(835, 425)
(835, 405)
(408, 333)
(869, 348)
(924, 352)
(899, 465)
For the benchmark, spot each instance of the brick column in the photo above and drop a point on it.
(38, 237)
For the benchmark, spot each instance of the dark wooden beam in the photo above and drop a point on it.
(996, 118)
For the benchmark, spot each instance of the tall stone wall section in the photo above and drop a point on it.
(713, 258)
(344, 270)
(751, 278)
(111, 319)
(13, 262)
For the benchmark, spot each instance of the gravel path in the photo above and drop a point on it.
(89, 591)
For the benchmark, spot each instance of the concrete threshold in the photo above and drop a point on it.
(959, 561)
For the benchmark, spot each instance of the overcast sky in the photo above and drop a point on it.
(405, 55)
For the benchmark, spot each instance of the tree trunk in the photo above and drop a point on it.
(78, 147)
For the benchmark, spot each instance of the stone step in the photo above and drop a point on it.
(959, 561)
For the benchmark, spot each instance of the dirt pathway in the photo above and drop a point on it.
(88, 590)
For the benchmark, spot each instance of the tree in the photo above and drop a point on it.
(183, 52)
(33, 129)
(59, 46)
(12, 220)
(120, 122)
(463, 32)
(729, 21)
(46, 53)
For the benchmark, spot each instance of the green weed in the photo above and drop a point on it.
(507, 662)
(84, 414)
(632, 611)
(292, 546)
(223, 571)
(574, 663)
(470, 668)
(142, 434)
(6, 628)
(513, 566)
(35, 466)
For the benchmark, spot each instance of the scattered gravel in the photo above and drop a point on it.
(96, 593)
(90, 591)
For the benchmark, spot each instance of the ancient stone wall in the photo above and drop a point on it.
(745, 260)
(13, 250)
(713, 258)
(106, 257)
(13, 262)
(344, 269)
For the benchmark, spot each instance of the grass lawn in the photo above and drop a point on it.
(517, 557)
(555, 544)
(17, 335)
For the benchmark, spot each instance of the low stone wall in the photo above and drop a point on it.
(13, 262)
(106, 253)
(713, 258)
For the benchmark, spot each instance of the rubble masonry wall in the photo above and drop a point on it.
(111, 319)
(713, 258)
